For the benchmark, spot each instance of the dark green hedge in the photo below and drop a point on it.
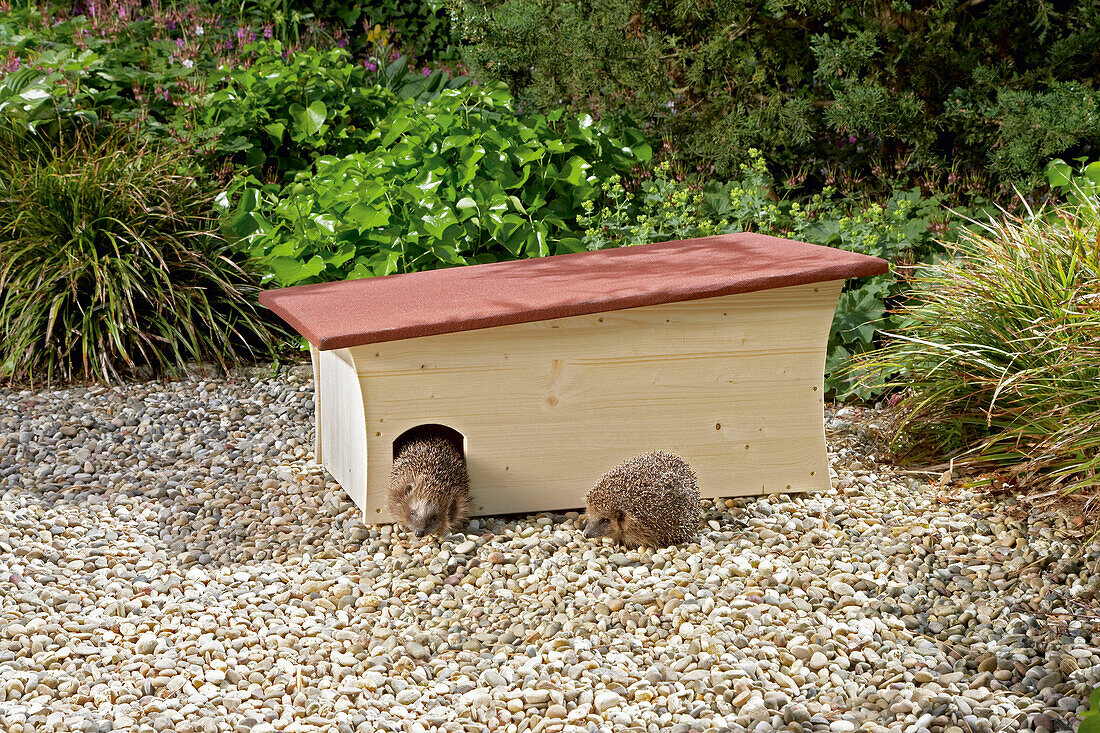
(913, 92)
(418, 28)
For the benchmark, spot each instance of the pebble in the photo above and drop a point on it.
(494, 679)
(407, 696)
(605, 700)
(417, 651)
(169, 551)
(146, 644)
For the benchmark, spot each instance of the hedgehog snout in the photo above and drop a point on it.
(419, 521)
(595, 528)
(424, 518)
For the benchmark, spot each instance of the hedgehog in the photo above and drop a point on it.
(429, 487)
(650, 500)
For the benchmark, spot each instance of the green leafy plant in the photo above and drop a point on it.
(660, 209)
(285, 19)
(1090, 721)
(865, 92)
(999, 356)
(420, 27)
(1078, 187)
(135, 62)
(900, 230)
(32, 98)
(404, 81)
(286, 110)
(458, 179)
(110, 263)
(212, 83)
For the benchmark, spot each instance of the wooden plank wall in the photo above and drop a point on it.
(733, 384)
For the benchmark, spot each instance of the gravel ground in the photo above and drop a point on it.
(171, 559)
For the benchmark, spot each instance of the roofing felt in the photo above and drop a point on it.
(354, 312)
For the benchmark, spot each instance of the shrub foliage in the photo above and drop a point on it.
(915, 90)
(458, 179)
(219, 83)
(1001, 355)
(109, 263)
(899, 229)
(283, 111)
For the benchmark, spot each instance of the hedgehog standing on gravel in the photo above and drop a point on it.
(429, 487)
(651, 500)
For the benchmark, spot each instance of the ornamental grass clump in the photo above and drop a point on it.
(111, 265)
(1000, 360)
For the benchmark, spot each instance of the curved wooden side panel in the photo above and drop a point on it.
(315, 361)
(818, 321)
(341, 423)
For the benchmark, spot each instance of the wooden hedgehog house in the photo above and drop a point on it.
(549, 372)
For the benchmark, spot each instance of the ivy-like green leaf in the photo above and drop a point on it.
(436, 222)
(1089, 724)
(276, 130)
(368, 216)
(289, 271)
(309, 119)
(1059, 173)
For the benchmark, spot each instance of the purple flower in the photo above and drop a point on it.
(179, 43)
(851, 139)
(267, 32)
(427, 71)
(370, 65)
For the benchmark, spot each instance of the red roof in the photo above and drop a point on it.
(353, 312)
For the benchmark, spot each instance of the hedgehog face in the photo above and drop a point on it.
(621, 527)
(425, 518)
(605, 524)
(419, 508)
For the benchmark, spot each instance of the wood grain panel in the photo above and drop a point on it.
(341, 428)
(733, 384)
